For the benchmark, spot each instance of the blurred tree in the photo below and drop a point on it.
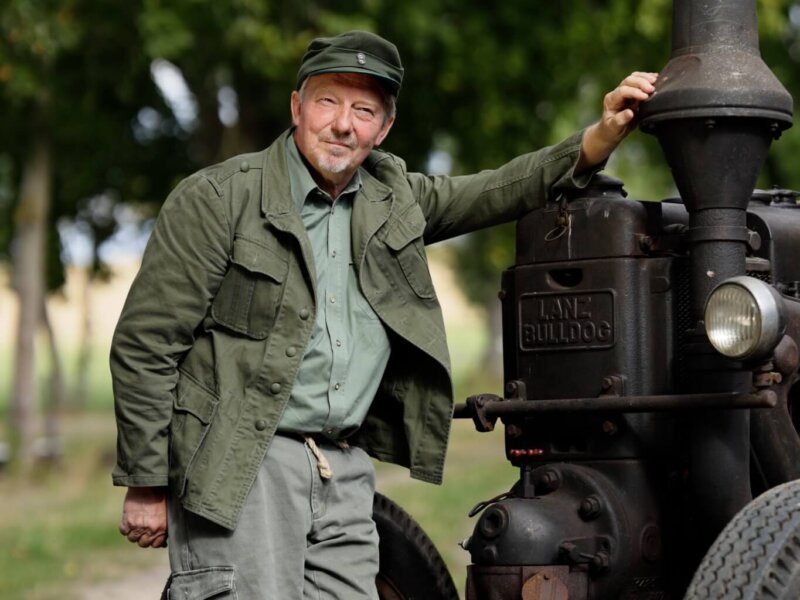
(69, 77)
(109, 103)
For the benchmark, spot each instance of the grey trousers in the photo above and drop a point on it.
(300, 536)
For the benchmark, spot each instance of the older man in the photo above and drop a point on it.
(284, 328)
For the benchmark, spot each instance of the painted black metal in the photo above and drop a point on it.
(633, 436)
(716, 68)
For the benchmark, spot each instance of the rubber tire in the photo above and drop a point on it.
(757, 555)
(410, 566)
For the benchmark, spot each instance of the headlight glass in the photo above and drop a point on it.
(744, 318)
(733, 321)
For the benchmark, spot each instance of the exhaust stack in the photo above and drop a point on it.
(716, 109)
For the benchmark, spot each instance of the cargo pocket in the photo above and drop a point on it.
(192, 412)
(251, 291)
(201, 584)
(405, 240)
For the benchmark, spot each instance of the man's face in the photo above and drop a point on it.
(338, 121)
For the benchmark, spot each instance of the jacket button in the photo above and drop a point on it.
(275, 388)
(291, 351)
(304, 314)
(244, 167)
(261, 424)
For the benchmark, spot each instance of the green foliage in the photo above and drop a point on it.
(485, 82)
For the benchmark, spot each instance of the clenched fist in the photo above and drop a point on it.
(144, 516)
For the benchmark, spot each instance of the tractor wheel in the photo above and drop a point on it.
(410, 566)
(757, 555)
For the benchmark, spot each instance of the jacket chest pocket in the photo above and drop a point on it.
(250, 293)
(405, 240)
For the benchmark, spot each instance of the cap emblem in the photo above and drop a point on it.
(361, 58)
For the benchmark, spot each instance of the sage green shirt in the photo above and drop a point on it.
(349, 348)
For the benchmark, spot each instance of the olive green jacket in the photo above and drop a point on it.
(216, 322)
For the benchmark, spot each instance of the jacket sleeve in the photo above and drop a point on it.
(182, 267)
(457, 205)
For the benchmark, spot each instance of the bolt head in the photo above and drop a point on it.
(591, 507)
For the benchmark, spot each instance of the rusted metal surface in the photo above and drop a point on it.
(545, 586)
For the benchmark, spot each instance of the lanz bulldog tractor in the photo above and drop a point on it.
(651, 397)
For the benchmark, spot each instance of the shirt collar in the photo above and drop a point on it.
(301, 182)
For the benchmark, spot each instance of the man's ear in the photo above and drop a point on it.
(384, 132)
(295, 104)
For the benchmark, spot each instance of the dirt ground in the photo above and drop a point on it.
(144, 585)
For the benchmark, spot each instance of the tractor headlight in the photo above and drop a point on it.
(744, 318)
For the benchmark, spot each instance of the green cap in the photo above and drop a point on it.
(354, 52)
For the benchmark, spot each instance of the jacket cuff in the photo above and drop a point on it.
(571, 179)
(140, 480)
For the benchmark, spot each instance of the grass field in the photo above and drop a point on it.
(58, 527)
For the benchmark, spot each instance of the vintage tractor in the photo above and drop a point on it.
(651, 366)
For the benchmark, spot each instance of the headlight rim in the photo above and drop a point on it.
(770, 307)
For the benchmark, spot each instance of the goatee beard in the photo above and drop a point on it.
(329, 160)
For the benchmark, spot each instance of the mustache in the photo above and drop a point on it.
(348, 140)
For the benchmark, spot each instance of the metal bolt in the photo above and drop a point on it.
(607, 383)
(600, 561)
(767, 379)
(590, 508)
(610, 428)
(511, 389)
(502, 294)
(513, 430)
(651, 543)
(550, 480)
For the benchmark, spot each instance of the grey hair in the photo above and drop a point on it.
(389, 100)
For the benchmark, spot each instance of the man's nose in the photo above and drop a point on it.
(343, 121)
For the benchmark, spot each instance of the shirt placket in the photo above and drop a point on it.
(338, 262)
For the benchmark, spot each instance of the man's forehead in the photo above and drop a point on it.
(347, 80)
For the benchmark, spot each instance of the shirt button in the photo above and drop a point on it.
(304, 314)
(333, 299)
(337, 386)
(275, 388)
(261, 424)
(338, 343)
(244, 167)
(291, 351)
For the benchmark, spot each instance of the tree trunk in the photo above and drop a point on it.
(80, 391)
(28, 261)
(54, 405)
(493, 356)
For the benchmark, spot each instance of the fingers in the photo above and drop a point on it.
(635, 88)
(145, 538)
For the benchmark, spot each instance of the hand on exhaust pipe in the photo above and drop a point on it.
(620, 108)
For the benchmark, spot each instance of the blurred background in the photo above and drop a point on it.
(106, 105)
